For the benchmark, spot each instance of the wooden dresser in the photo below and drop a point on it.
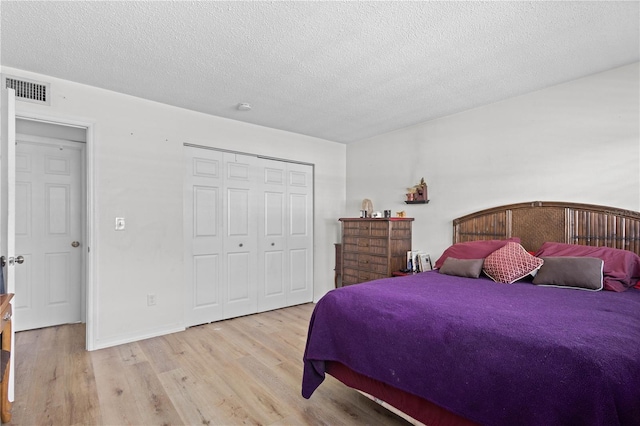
(374, 248)
(5, 350)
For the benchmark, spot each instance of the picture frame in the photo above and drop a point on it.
(424, 262)
(418, 261)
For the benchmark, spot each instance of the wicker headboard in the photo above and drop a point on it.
(540, 221)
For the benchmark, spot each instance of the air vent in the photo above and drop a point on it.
(27, 90)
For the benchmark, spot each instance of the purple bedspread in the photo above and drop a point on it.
(497, 354)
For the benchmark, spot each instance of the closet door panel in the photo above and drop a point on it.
(300, 233)
(239, 285)
(203, 237)
(272, 244)
(206, 268)
(299, 261)
(273, 274)
(238, 211)
(240, 242)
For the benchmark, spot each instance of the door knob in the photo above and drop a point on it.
(20, 260)
(10, 261)
(75, 244)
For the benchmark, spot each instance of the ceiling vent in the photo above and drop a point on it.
(29, 90)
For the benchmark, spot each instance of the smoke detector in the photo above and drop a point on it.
(244, 107)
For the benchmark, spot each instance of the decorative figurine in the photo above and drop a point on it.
(418, 192)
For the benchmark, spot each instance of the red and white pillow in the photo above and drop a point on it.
(510, 264)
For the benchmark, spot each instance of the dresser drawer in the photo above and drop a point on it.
(354, 276)
(372, 263)
(350, 276)
(379, 229)
(401, 231)
(357, 228)
(377, 246)
(350, 259)
(370, 276)
(349, 244)
(365, 262)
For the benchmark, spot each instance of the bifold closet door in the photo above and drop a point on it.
(248, 235)
(300, 233)
(285, 243)
(203, 235)
(240, 235)
(273, 261)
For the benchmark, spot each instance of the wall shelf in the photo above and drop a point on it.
(417, 202)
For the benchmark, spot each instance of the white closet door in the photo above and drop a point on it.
(248, 235)
(240, 238)
(273, 259)
(300, 233)
(204, 272)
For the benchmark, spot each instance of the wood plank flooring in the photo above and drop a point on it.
(245, 370)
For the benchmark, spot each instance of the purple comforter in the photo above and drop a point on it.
(497, 354)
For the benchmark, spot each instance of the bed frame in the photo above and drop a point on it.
(539, 221)
(534, 223)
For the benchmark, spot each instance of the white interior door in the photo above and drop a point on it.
(48, 231)
(203, 236)
(240, 229)
(7, 207)
(300, 233)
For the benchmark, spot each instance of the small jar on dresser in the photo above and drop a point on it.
(374, 248)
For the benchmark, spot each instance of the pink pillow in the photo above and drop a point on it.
(473, 249)
(510, 263)
(621, 267)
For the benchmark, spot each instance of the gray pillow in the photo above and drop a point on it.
(470, 268)
(577, 272)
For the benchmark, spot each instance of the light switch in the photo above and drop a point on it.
(119, 223)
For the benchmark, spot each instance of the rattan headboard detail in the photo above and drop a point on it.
(540, 221)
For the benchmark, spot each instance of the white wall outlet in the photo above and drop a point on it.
(119, 223)
(151, 299)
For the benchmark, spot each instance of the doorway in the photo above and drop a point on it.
(50, 222)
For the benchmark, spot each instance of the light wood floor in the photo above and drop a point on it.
(245, 370)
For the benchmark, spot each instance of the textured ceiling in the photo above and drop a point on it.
(341, 71)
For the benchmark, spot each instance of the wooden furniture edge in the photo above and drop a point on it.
(5, 312)
(560, 204)
(342, 219)
(565, 222)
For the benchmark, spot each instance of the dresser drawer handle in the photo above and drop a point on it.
(6, 316)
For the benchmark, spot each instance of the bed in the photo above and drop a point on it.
(446, 348)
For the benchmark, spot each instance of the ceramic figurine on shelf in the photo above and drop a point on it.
(418, 192)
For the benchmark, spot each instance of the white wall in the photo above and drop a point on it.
(579, 142)
(138, 161)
